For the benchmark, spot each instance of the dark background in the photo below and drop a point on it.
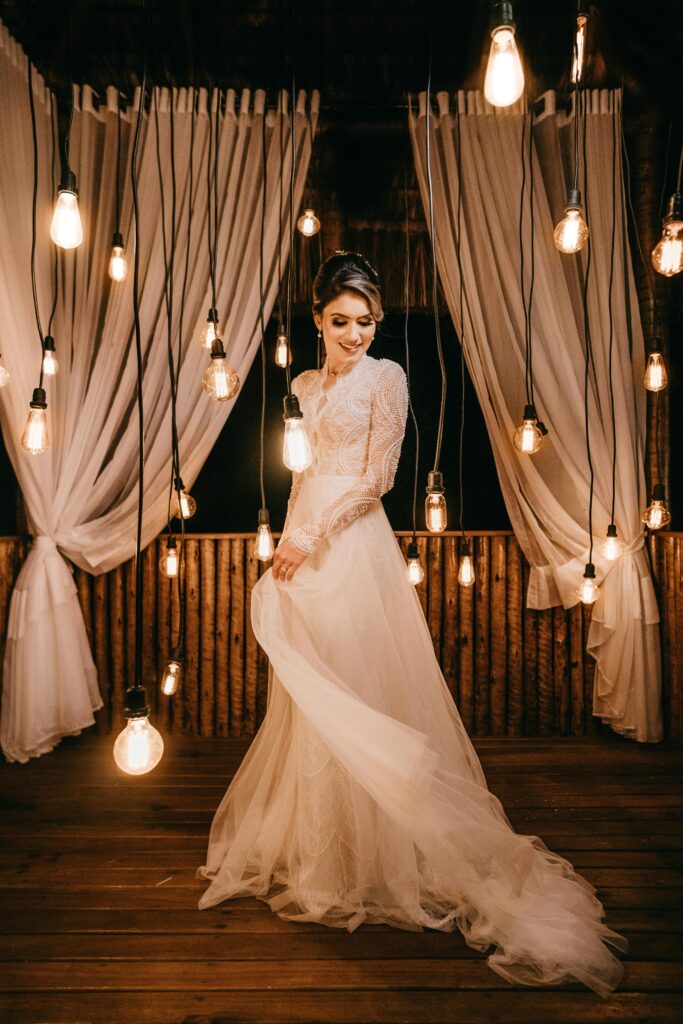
(366, 58)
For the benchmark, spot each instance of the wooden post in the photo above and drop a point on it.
(498, 684)
(250, 668)
(237, 637)
(207, 666)
(223, 637)
(192, 638)
(560, 672)
(546, 710)
(466, 648)
(515, 649)
(449, 650)
(482, 638)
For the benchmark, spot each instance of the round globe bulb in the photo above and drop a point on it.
(571, 233)
(220, 381)
(139, 747)
(308, 224)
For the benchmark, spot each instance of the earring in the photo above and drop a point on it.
(320, 334)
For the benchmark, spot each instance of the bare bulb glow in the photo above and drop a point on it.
(435, 513)
(4, 376)
(170, 678)
(414, 568)
(656, 515)
(579, 48)
(139, 747)
(283, 353)
(308, 224)
(466, 571)
(667, 255)
(504, 82)
(50, 364)
(212, 330)
(219, 380)
(296, 449)
(589, 590)
(66, 229)
(169, 563)
(264, 549)
(528, 437)
(655, 373)
(612, 547)
(571, 233)
(118, 265)
(35, 437)
(187, 506)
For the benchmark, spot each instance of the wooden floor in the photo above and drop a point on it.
(98, 895)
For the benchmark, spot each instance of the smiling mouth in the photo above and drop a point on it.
(350, 348)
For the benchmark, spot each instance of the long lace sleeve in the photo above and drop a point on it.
(387, 428)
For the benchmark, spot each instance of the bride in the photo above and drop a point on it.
(362, 799)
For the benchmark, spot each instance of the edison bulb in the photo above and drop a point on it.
(435, 512)
(212, 330)
(414, 569)
(296, 449)
(186, 507)
(138, 749)
(264, 549)
(170, 678)
(169, 562)
(589, 590)
(667, 255)
(655, 373)
(308, 224)
(466, 571)
(579, 49)
(66, 229)
(612, 546)
(50, 364)
(118, 266)
(656, 515)
(528, 437)
(504, 82)
(35, 437)
(219, 380)
(283, 353)
(4, 376)
(571, 233)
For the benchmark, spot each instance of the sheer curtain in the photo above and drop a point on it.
(81, 495)
(547, 494)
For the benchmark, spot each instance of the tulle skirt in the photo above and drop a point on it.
(362, 799)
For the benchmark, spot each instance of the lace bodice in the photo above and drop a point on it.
(356, 428)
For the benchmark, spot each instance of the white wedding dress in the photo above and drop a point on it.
(362, 799)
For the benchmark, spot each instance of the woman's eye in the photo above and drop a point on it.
(339, 323)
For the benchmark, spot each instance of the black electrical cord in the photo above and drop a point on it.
(55, 272)
(264, 155)
(610, 310)
(215, 191)
(588, 345)
(406, 321)
(532, 261)
(33, 217)
(138, 355)
(209, 164)
(281, 127)
(521, 262)
(461, 304)
(118, 162)
(290, 269)
(435, 280)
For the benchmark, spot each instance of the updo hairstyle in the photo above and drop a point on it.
(347, 272)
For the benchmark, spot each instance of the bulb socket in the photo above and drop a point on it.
(589, 571)
(529, 412)
(435, 482)
(68, 182)
(212, 315)
(611, 530)
(659, 492)
(573, 199)
(217, 350)
(177, 654)
(502, 16)
(413, 550)
(656, 346)
(291, 407)
(39, 400)
(178, 484)
(117, 240)
(674, 209)
(263, 517)
(280, 329)
(49, 343)
(170, 543)
(136, 705)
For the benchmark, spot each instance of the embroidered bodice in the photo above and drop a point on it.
(355, 428)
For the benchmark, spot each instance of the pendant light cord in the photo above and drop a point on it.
(33, 217)
(406, 319)
(588, 347)
(55, 271)
(461, 310)
(138, 356)
(290, 269)
(611, 311)
(435, 281)
(264, 157)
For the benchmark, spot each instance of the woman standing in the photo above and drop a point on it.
(362, 798)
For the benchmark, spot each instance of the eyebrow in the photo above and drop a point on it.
(346, 317)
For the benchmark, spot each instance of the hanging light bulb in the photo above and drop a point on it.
(184, 505)
(220, 381)
(173, 670)
(66, 229)
(415, 571)
(308, 224)
(283, 353)
(504, 82)
(35, 437)
(50, 364)
(529, 436)
(667, 255)
(571, 233)
(655, 371)
(435, 503)
(138, 748)
(579, 44)
(296, 448)
(264, 549)
(4, 376)
(612, 547)
(466, 570)
(118, 267)
(589, 590)
(212, 329)
(169, 562)
(657, 514)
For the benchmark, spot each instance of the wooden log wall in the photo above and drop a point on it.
(512, 671)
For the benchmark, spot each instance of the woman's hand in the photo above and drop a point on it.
(286, 561)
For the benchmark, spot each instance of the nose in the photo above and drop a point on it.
(354, 333)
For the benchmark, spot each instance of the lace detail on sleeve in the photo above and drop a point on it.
(387, 427)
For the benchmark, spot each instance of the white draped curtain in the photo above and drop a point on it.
(547, 494)
(81, 495)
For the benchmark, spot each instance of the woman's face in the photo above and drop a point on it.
(348, 327)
